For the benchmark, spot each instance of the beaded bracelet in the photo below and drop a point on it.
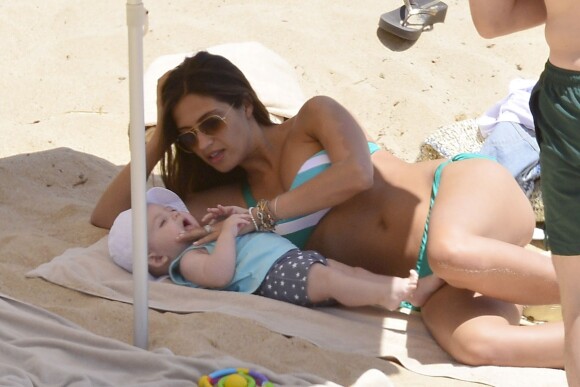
(252, 217)
(264, 220)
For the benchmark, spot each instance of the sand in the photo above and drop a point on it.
(65, 102)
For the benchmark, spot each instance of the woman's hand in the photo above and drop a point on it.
(214, 223)
(199, 235)
(160, 83)
(221, 212)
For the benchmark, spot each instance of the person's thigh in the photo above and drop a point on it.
(479, 330)
(460, 321)
(480, 197)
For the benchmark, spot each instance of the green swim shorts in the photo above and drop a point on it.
(555, 105)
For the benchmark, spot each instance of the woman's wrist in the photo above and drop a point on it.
(262, 216)
(273, 205)
(250, 211)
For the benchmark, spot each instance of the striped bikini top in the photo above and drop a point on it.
(299, 229)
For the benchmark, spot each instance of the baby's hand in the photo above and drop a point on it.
(236, 222)
(220, 212)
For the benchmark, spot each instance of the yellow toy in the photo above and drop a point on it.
(234, 377)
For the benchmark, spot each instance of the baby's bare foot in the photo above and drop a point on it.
(401, 289)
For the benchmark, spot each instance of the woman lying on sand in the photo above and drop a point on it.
(323, 183)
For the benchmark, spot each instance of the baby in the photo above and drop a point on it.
(262, 263)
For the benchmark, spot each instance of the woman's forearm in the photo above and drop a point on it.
(332, 187)
(346, 144)
(117, 196)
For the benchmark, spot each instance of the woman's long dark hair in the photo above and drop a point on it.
(211, 76)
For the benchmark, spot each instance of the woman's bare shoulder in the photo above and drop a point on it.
(319, 111)
(319, 102)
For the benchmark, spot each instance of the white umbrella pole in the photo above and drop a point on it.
(136, 15)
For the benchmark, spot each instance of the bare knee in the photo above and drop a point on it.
(447, 254)
(472, 329)
(481, 348)
(466, 341)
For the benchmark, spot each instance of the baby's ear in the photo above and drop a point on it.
(157, 261)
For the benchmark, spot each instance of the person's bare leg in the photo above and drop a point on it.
(479, 330)
(478, 225)
(357, 272)
(426, 286)
(568, 271)
(362, 289)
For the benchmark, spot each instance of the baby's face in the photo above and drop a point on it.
(164, 224)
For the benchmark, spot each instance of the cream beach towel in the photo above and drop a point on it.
(366, 331)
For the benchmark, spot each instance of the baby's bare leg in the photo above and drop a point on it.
(358, 287)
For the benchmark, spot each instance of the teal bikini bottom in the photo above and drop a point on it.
(423, 267)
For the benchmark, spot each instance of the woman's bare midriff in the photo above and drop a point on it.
(380, 229)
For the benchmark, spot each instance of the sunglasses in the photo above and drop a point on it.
(209, 126)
